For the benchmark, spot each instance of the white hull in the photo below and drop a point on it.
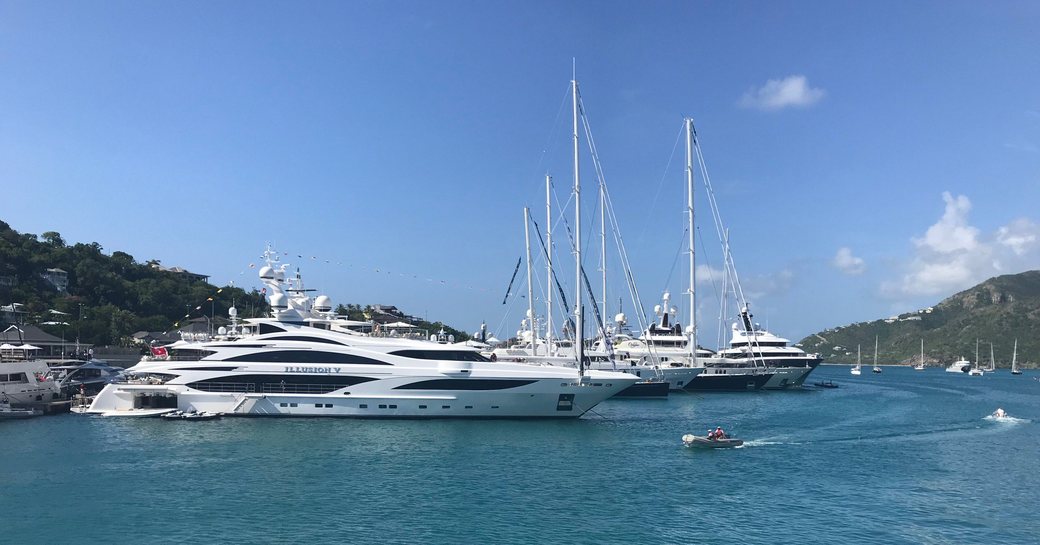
(544, 398)
(20, 383)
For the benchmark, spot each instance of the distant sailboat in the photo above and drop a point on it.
(1014, 361)
(920, 363)
(992, 364)
(876, 369)
(855, 370)
(976, 371)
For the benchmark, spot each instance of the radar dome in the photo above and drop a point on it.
(657, 309)
(222, 330)
(278, 301)
(233, 312)
(266, 272)
(322, 303)
(620, 318)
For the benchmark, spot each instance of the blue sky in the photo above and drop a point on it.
(869, 158)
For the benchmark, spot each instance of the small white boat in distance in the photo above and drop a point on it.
(920, 362)
(856, 370)
(960, 366)
(876, 369)
(694, 441)
(1014, 361)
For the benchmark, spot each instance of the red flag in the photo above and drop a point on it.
(159, 351)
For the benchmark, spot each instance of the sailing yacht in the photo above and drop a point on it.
(603, 356)
(975, 370)
(856, 368)
(301, 362)
(920, 363)
(720, 373)
(1014, 361)
(876, 369)
(992, 363)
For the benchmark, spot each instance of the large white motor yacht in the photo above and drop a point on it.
(296, 364)
(791, 365)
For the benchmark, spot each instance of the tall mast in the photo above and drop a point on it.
(691, 329)
(875, 350)
(530, 283)
(603, 252)
(579, 340)
(548, 263)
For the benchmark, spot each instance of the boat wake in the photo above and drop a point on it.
(765, 443)
(1006, 419)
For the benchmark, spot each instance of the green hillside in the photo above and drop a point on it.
(996, 311)
(110, 297)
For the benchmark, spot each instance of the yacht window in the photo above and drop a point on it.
(268, 328)
(382, 406)
(363, 406)
(449, 355)
(422, 406)
(317, 405)
(292, 404)
(283, 404)
(189, 354)
(393, 406)
(302, 338)
(464, 384)
(14, 377)
(278, 384)
(306, 356)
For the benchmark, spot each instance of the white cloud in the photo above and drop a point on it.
(952, 232)
(778, 94)
(1020, 236)
(848, 263)
(706, 274)
(953, 255)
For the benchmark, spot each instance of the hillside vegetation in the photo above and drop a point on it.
(110, 297)
(996, 311)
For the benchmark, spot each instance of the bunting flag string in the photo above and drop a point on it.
(379, 270)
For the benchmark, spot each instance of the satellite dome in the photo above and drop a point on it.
(266, 272)
(322, 303)
(278, 301)
(233, 312)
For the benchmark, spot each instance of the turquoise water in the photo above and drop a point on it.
(901, 457)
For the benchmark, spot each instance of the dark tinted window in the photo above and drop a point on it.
(464, 384)
(268, 328)
(302, 338)
(307, 356)
(275, 384)
(449, 355)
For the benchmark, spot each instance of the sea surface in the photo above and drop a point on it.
(900, 457)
